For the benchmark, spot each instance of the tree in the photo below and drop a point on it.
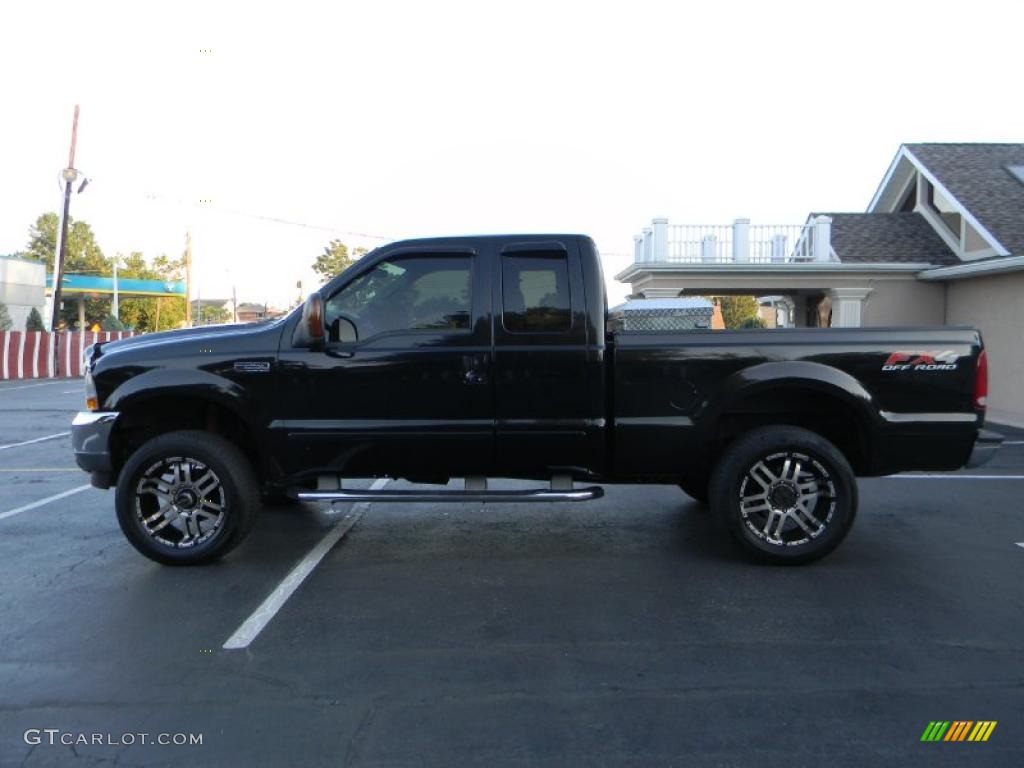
(212, 315)
(156, 313)
(111, 323)
(34, 322)
(82, 256)
(335, 259)
(753, 322)
(5, 318)
(737, 309)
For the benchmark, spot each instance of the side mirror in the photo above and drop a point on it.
(310, 330)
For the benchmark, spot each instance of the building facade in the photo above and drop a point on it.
(941, 243)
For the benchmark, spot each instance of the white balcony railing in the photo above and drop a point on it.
(736, 243)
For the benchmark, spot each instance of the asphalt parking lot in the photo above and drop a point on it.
(626, 631)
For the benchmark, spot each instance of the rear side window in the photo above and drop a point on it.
(535, 292)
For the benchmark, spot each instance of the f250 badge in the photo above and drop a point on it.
(922, 361)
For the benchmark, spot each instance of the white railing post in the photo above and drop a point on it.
(779, 248)
(660, 228)
(648, 245)
(708, 248)
(741, 240)
(638, 248)
(822, 238)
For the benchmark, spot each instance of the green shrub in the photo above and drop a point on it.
(34, 322)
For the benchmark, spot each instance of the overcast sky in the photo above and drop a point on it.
(373, 121)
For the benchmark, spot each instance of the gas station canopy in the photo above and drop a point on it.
(93, 286)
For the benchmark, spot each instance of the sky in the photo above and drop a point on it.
(373, 121)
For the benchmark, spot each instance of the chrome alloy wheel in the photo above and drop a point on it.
(787, 499)
(180, 502)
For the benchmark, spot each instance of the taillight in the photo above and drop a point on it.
(981, 382)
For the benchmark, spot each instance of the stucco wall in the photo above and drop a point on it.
(995, 305)
(903, 302)
(22, 286)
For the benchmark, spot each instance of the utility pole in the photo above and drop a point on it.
(188, 279)
(69, 175)
(234, 304)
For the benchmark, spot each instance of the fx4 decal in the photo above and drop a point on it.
(922, 360)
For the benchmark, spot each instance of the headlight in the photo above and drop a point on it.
(91, 400)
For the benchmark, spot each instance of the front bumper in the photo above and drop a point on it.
(985, 447)
(90, 440)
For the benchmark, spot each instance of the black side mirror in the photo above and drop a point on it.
(310, 330)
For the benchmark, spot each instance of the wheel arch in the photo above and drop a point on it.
(817, 397)
(162, 401)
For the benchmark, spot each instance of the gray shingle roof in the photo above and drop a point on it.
(976, 176)
(887, 238)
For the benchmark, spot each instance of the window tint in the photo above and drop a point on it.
(412, 293)
(535, 292)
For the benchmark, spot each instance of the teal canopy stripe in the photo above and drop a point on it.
(126, 286)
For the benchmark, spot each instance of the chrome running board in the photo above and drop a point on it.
(504, 497)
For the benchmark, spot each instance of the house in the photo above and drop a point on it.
(22, 288)
(941, 242)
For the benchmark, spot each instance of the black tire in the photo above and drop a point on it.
(696, 488)
(166, 513)
(779, 512)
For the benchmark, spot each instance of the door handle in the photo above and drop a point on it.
(474, 369)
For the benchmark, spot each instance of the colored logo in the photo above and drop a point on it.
(938, 360)
(958, 730)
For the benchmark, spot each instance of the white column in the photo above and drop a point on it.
(822, 238)
(847, 306)
(638, 248)
(660, 229)
(648, 245)
(741, 240)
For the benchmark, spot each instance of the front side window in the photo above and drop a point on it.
(535, 292)
(408, 293)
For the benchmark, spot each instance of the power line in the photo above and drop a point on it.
(264, 217)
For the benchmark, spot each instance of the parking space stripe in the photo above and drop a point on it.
(953, 477)
(36, 440)
(262, 616)
(43, 502)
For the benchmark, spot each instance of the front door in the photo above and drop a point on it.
(412, 396)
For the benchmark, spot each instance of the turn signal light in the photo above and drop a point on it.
(92, 404)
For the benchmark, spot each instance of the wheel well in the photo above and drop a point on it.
(820, 412)
(156, 416)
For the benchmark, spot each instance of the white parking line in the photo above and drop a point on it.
(42, 502)
(29, 386)
(953, 477)
(262, 616)
(37, 440)
(1020, 543)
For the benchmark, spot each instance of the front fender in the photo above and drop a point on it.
(184, 382)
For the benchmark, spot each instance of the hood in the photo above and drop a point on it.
(247, 336)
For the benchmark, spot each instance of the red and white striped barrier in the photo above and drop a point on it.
(41, 355)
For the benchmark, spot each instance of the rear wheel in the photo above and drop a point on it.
(187, 497)
(787, 494)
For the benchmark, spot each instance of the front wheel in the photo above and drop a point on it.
(787, 494)
(187, 497)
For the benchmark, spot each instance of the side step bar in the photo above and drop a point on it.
(533, 494)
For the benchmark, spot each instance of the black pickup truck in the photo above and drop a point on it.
(483, 357)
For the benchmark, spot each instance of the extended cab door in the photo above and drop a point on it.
(412, 396)
(547, 420)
